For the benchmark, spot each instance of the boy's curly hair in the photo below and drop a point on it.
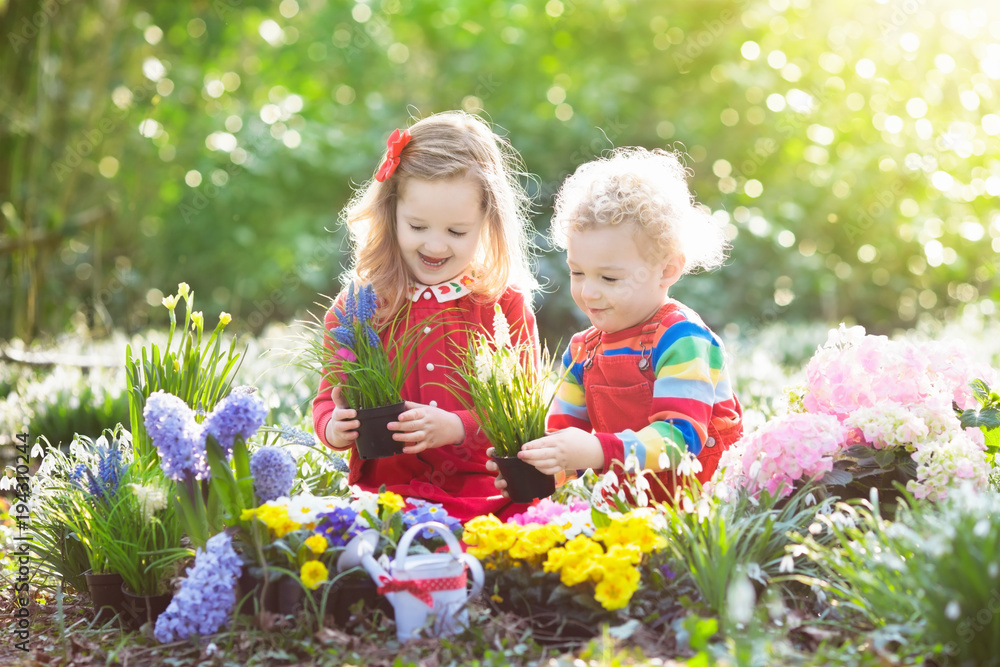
(649, 190)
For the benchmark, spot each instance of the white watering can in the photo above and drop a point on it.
(422, 584)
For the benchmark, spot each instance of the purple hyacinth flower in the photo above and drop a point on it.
(236, 415)
(273, 471)
(367, 303)
(207, 596)
(179, 439)
(345, 336)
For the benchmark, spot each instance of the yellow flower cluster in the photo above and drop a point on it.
(609, 559)
(391, 501)
(274, 517)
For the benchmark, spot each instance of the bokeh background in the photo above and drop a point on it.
(852, 146)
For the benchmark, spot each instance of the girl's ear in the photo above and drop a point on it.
(673, 269)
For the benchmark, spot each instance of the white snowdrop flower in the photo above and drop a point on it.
(663, 461)
(815, 528)
(37, 451)
(101, 441)
(211, 649)
(754, 470)
(641, 499)
(741, 599)
(982, 528)
(686, 505)
(704, 508)
(953, 610)
(6, 483)
(820, 593)
(642, 483)
(754, 571)
(787, 564)
(722, 492)
(810, 499)
(632, 463)
(610, 478)
(621, 495)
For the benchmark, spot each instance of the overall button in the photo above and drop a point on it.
(430, 367)
(710, 442)
(433, 404)
(427, 329)
(427, 295)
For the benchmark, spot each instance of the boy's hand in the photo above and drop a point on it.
(499, 482)
(342, 429)
(424, 427)
(568, 449)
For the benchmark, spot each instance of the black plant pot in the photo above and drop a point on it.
(145, 608)
(348, 592)
(374, 439)
(283, 596)
(524, 481)
(105, 594)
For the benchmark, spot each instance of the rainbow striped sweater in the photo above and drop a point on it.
(692, 403)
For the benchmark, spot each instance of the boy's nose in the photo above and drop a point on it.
(589, 292)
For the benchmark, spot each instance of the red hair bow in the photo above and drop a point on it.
(397, 140)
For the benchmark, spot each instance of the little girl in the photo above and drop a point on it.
(648, 381)
(443, 225)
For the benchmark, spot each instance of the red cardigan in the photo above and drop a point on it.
(453, 475)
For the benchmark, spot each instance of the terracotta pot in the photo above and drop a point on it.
(145, 608)
(524, 481)
(105, 594)
(374, 439)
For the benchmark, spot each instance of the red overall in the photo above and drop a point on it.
(620, 387)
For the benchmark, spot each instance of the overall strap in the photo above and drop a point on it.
(591, 342)
(648, 333)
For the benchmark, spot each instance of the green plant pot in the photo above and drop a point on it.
(524, 481)
(145, 608)
(105, 594)
(374, 438)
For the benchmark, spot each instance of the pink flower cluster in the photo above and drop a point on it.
(787, 449)
(853, 370)
(545, 511)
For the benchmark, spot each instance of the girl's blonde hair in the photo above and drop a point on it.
(445, 146)
(649, 190)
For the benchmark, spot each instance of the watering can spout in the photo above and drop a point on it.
(361, 551)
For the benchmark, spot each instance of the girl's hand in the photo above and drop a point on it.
(568, 449)
(499, 482)
(424, 427)
(342, 429)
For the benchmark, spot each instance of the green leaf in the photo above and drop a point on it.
(837, 477)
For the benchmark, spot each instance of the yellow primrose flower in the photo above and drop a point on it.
(626, 553)
(225, 318)
(555, 560)
(170, 301)
(576, 573)
(393, 501)
(614, 592)
(313, 574)
(535, 540)
(476, 527)
(317, 543)
(246, 515)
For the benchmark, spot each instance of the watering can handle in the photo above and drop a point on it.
(476, 569)
(402, 550)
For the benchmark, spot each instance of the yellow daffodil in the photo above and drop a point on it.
(225, 318)
(183, 289)
(170, 301)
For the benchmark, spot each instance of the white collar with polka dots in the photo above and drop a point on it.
(443, 292)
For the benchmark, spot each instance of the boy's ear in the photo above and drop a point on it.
(673, 269)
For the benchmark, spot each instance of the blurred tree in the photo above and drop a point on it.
(851, 147)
